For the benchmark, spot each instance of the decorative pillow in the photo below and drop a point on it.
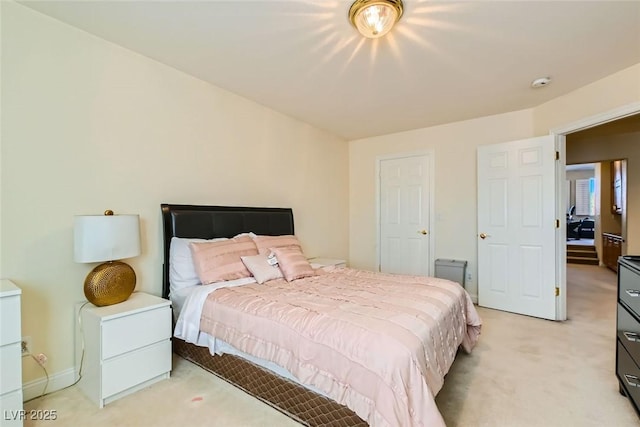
(261, 269)
(293, 263)
(182, 272)
(219, 261)
(265, 243)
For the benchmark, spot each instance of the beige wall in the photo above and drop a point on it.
(455, 183)
(608, 94)
(87, 125)
(610, 222)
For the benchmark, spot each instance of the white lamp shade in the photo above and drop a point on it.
(99, 238)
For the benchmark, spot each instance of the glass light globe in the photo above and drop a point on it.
(374, 19)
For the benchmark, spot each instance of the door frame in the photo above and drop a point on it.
(429, 153)
(559, 134)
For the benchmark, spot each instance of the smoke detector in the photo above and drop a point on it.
(541, 82)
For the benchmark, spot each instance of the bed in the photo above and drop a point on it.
(339, 347)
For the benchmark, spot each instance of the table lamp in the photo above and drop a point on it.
(107, 238)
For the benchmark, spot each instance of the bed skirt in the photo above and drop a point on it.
(293, 400)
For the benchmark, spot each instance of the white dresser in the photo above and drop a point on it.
(127, 346)
(10, 355)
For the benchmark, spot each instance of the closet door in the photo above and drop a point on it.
(404, 212)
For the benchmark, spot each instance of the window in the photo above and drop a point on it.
(586, 196)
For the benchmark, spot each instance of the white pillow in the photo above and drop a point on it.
(250, 234)
(261, 269)
(182, 270)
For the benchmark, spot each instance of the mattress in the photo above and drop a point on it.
(178, 299)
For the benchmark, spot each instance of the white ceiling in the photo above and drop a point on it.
(444, 62)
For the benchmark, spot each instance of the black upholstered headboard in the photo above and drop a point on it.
(208, 222)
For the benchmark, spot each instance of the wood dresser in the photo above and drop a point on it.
(611, 250)
(628, 329)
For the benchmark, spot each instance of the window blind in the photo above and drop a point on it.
(585, 196)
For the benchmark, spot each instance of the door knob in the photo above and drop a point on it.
(483, 235)
(423, 232)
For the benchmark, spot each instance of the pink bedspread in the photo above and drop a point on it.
(380, 344)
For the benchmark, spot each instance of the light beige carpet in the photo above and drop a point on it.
(524, 372)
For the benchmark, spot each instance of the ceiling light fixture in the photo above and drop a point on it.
(375, 18)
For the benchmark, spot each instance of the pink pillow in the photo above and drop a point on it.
(293, 263)
(260, 268)
(219, 261)
(265, 243)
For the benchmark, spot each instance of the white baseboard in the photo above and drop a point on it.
(474, 298)
(57, 381)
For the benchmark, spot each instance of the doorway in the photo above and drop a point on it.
(608, 147)
(583, 209)
(601, 139)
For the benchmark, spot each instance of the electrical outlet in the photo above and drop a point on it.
(26, 346)
(468, 276)
(42, 359)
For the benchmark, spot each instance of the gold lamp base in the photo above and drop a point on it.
(109, 283)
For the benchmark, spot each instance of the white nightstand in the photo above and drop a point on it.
(10, 355)
(324, 262)
(127, 346)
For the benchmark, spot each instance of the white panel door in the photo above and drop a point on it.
(517, 227)
(404, 215)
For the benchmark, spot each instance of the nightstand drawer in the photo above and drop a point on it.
(130, 332)
(10, 311)
(11, 368)
(126, 371)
